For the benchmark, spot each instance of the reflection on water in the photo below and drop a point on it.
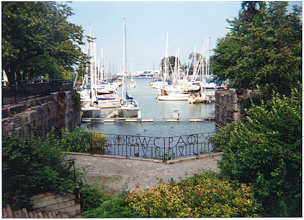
(150, 107)
(162, 129)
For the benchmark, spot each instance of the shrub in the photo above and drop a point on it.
(76, 100)
(113, 208)
(98, 142)
(91, 197)
(80, 140)
(222, 137)
(199, 196)
(31, 166)
(77, 140)
(266, 149)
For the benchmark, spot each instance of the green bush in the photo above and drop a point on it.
(80, 140)
(222, 137)
(91, 198)
(113, 208)
(77, 140)
(98, 142)
(76, 100)
(31, 166)
(199, 196)
(266, 150)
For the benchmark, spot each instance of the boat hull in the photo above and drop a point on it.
(129, 112)
(183, 97)
(107, 104)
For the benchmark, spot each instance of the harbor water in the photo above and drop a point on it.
(159, 111)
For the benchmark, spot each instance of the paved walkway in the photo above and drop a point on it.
(116, 175)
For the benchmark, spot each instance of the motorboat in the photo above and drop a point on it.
(172, 95)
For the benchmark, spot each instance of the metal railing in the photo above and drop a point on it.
(162, 148)
(23, 89)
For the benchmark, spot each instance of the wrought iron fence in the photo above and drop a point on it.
(162, 148)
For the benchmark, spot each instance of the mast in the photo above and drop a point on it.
(102, 77)
(90, 70)
(178, 74)
(123, 55)
(165, 60)
(209, 45)
(95, 63)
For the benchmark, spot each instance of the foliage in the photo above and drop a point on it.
(266, 149)
(76, 100)
(199, 196)
(263, 49)
(197, 60)
(91, 197)
(38, 40)
(169, 64)
(222, 137)
(80, 140)
(31, 166)
(98, 142)
(113, 208)
(77, 140)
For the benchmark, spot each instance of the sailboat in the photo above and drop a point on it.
(171, 92)
(87, 95)
(129, 107)
(207, 89)
(106, 93)
(132, 83)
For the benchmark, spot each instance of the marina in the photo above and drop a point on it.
(158, 118)
(168, 102)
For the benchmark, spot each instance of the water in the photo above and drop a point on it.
(150, 107)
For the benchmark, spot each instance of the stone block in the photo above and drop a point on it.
(59, 205)
(72, 210)
(48, 199)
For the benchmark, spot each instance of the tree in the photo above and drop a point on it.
(262, 50)
(171, 64)
(197, 60)
(39, 41)
(266, 150)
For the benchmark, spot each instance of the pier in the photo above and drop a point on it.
(144, 120)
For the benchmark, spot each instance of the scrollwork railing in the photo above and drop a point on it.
(163, 148)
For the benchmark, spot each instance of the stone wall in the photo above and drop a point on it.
(228, 106)
(38, 115)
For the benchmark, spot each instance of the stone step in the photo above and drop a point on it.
(58, 206)
(51, 199)
(72, 210)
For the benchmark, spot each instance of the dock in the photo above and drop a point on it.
(144, 120)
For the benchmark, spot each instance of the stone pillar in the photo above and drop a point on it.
(227, 108)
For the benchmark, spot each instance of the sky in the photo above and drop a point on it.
(191, 26)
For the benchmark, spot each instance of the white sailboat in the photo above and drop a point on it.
(87, 95)
(106, 93)
(207, 89)
(132, 83)
(170, 92)
(129, 107)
